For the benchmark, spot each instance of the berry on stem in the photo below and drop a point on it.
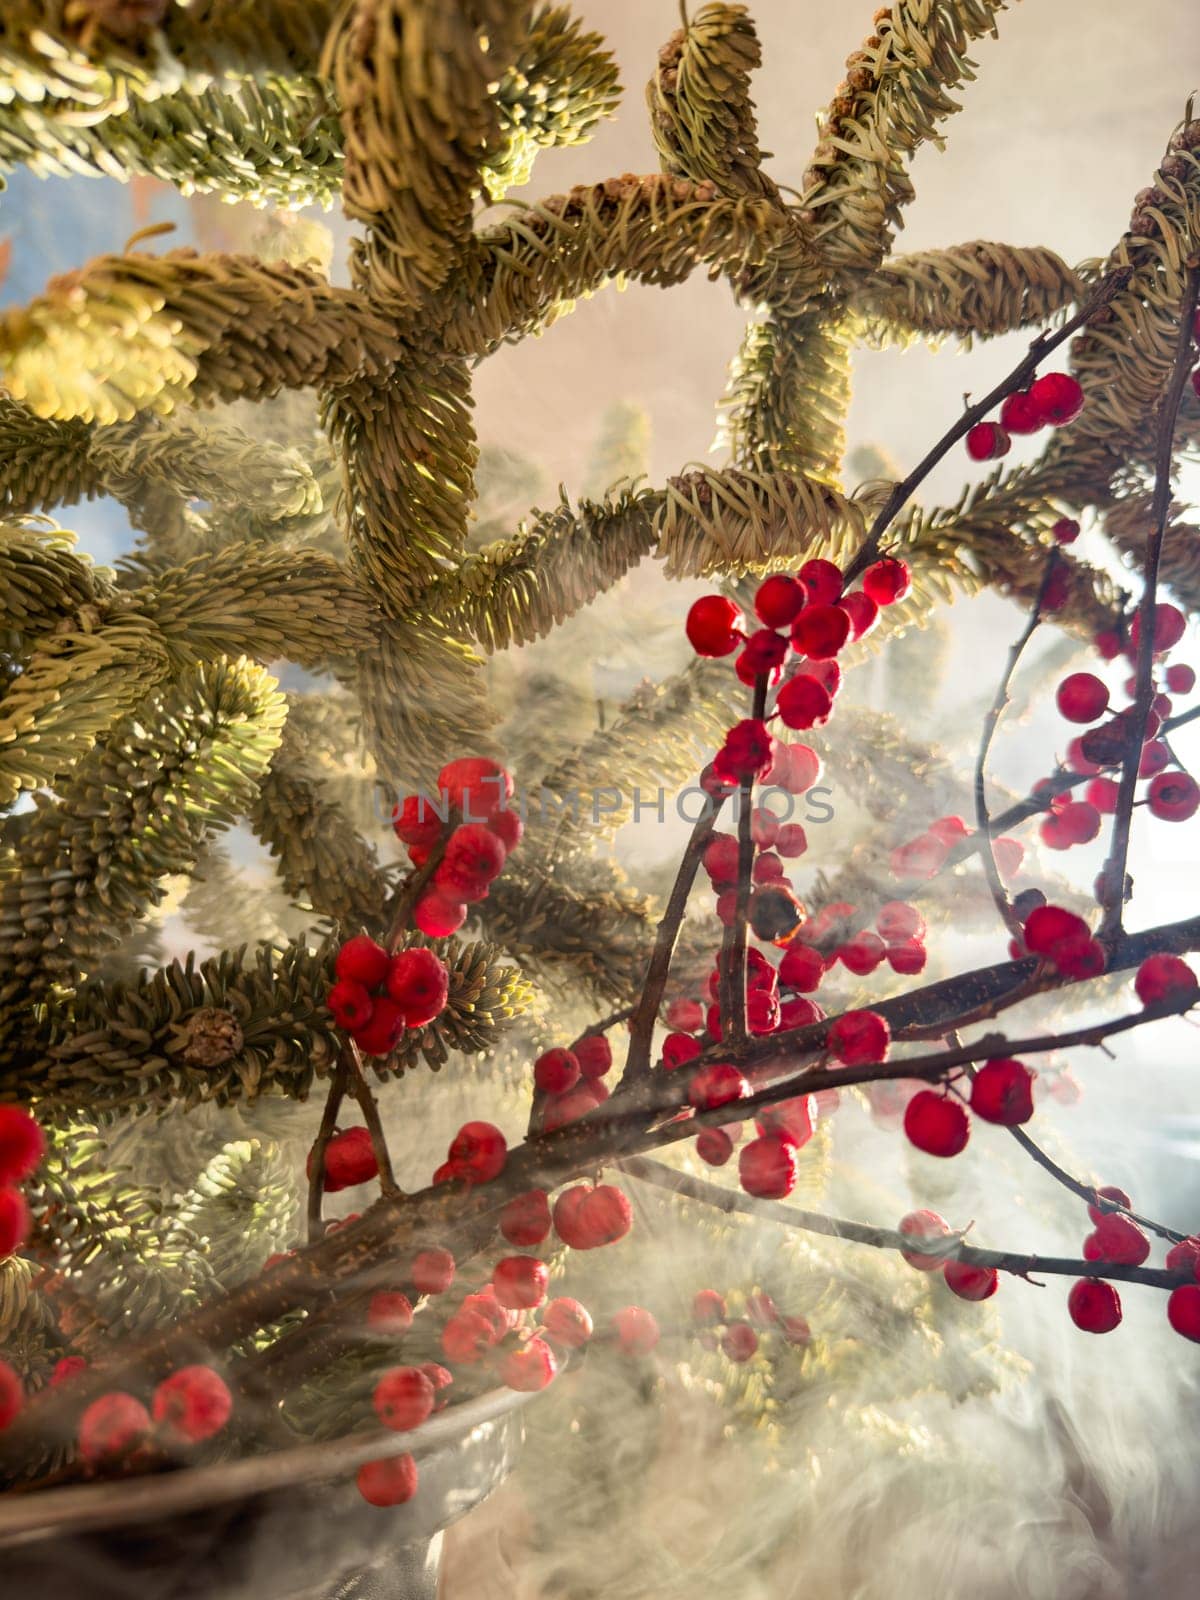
(1003, 1092)
(636, 1331)
(567, 1323)
(988, 441)
(419, 984)
(970, 1282)
(712, 626)
(433, 1271)
(192, 1404)
(530, 1367)
(525, 1220)
(924, 1225)
(520, 1282)
(1165, 977)
(111, 1427)
(1094, 1305)
(936, 1124)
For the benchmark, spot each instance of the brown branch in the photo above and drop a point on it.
(731, 982)
(952, 1247)
(316, 1180)
(645, 1013)
(1016, 379)
(1113, 877)
(398, 912)
(362, 1092)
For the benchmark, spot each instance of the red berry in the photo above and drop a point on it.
(767, 1167)
(717, 1086)
(1174, 796)
(1184, 1256)
(791, 841)
(763, 651)
(594, 1055)
(1117, 1238)
(1102, 793)
(1003, 1092)
(350, 1005)
(636, 1331)
(64, 1370)
(720, 858)
(858, 1038)
(1181, 679)
(1065, 530)
(12, 1396)
(363, 961)
(14, 1221)
(748, 751)
(556, 1071)
(863, 953)
(111, 1427)
(479, 1150)
(192, 1404)
(1109, 1192)
(793, 1120)
(802, 968)
(924, 1225)
(419, 984)
(822, 581)
(1082, 697)
(1170, 624)
(403, 1398)
(22, 1144)
(1057, 397)
(796, 768)
(821, 631)
(389, 1481)
(1048, 926)
(1164, 977)
(380, 1034)
(349, 1160)
(969, 1282)
(567, 1108)
(862, 611)
(1183, 1310)
(936, 1124)
(606, 1215)
(1155, 756)
(795, 1330)
(467, 1338)
(920, 858)
(708, 1308)
(416, 822)
(474, 859)
(712, 626)
(908, 958)
(887, 581)
(779, 600)
(685, 1015)
(390, 1313)
(567, 1323)
(678, 1049)
(804, 703)
(438, 915)
(987, 441)
(739, 1342)
(714, 1146)
(520, 1282)
(506, 824)
(525, 1220)
(1019, 414)
(475, 786)
(898, 921)
(433, 1271)
(530, 1367)
(1094, 1305)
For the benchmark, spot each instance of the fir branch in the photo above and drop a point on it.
(701, 113)
(894, 96)
(135, 811)
(970, 290)
(412, 78)
(784, 408)
(141, 333)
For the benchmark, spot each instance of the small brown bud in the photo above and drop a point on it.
(214, 1036)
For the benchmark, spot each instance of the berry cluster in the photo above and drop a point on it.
(1083, 698)
(467, 834)
(190, 1406)
(1051, 401)
(571, 1081)
(963, 1278)
(22, 1146)
(739, 1338)
(377, 995)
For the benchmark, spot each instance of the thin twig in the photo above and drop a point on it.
(398, 912)
(1113, 877)
(732, 976)
(316, 1177)
(951, 1247)
(362, 1092)
(645, 1013)
(1016, 379)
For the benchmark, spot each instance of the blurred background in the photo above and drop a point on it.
(1001, 1453)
